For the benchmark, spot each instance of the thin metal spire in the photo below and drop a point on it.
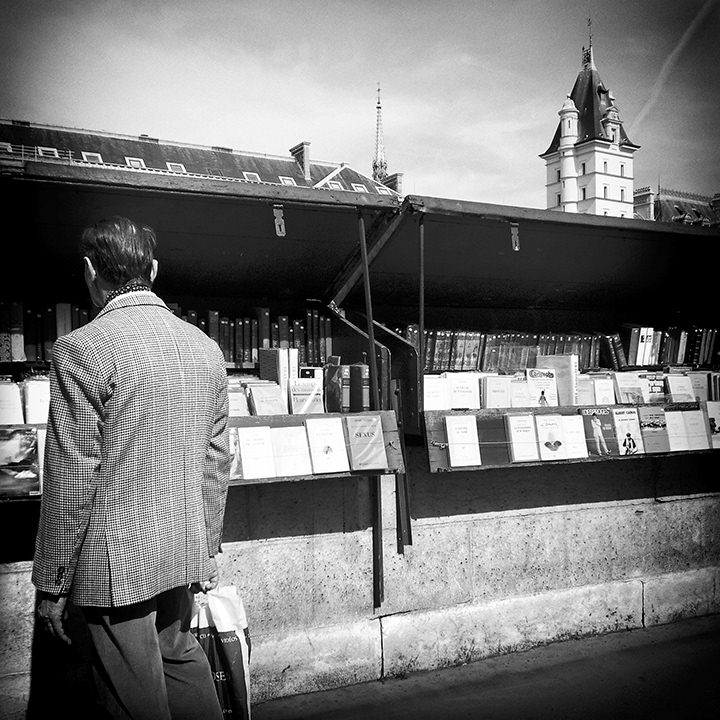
(379, 165)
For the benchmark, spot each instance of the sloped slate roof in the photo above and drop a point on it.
(686, 208)
(592, 99)
(202, 160)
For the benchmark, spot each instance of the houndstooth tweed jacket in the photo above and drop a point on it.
(136, 461)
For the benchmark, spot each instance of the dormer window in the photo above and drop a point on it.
(334, 185)
(357, 187)
(383, 190)
(135, 163)
(176, 167)
(251, 177)
(92, 157)
(47, 152)
(286, 180)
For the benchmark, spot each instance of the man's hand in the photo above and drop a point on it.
(51, 613)
(212, 582)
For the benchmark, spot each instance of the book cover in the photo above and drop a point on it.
(542, 387)
(366, 442)
(604, 389)
(653, 428)
(627, 430)
(493, 439)
(575, 442)
(599, 430)
(306, 396)
(11, 403)
(630, 336)
(496, 391)
(291, 454)
(519, 393)
(655, 385)
(697, 428)
(436, 392)
(676, 430)
(700, 381)
(36, 399)
(267, 399)
(679, 388)
(274, 364)
(522, 441)
(237, 401)
(567, 370)
(19, 461)
(464, 390)
(630, 388)
(327, 445)
(463, 442)
(255, 446)
(586, 390)
(263, 318)
(713, 420)
(550, 436)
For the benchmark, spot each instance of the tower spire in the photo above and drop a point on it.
(379, 165)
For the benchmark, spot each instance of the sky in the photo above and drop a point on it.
(470, 90)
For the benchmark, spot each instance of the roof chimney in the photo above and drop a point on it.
(394, 182)
(301, 153)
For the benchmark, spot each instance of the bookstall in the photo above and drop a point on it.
(504, 553)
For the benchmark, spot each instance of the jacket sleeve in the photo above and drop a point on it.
(71, 464)
(216, 469)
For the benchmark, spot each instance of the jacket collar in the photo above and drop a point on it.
(133, 299)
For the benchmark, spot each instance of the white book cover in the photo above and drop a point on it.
(713, 419)
(676, 430)
(679, 388)
(268, 399)
(436, 393)
(575, 441)
(237, 401)
(11, 406)
(627, 430)
(567, 370)
(604, 390)
(542, 387)
(36, 400)
(700, 381)
(306, 396)
(550, 436)
(327, 445)
(519, 393)
(586, 390)
(290, 450)
(463, 441)
(631, 388)
(696, 426)
(496, 391)
(464, 391)
(256, 457)
(522, 437)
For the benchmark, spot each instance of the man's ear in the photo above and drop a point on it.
(90, 272)
(153, 272)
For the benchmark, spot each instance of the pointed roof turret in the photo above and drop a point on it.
(594, 102)
(379, 165)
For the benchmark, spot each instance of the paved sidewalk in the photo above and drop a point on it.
(667, 671)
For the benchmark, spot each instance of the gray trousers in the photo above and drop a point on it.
(147, 664)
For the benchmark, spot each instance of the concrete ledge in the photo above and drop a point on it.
(677, 596)
(318, 659)
(461, 634)
(14, 696)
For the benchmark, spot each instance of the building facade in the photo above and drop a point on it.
(589, 163)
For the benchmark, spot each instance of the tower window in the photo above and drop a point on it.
(622, 194)
(558, 199)
(583, 168)
(584, 193)
(605, 167)
(622, 170)
(558, 176)
(605, 191)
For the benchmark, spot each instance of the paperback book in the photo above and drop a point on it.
(713, 416)
(542, 387)
(627, 430)
(567, 370)
(653, 428)
(522, 437)
(290, 451)
(463, 441)
(575, 442)
(326, 439)
(599, 431)
(366, 442)
(493, 439)
(19, 461)
(256, 456)
(551, 436)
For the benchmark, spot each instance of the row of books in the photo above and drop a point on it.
(27, 334)
(645, 345)
(284, 386)
(241, 338)
(508, 352)
(317, 446)
(598, 431)
(556, 381)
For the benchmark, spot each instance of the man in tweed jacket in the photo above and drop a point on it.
(135, 481)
